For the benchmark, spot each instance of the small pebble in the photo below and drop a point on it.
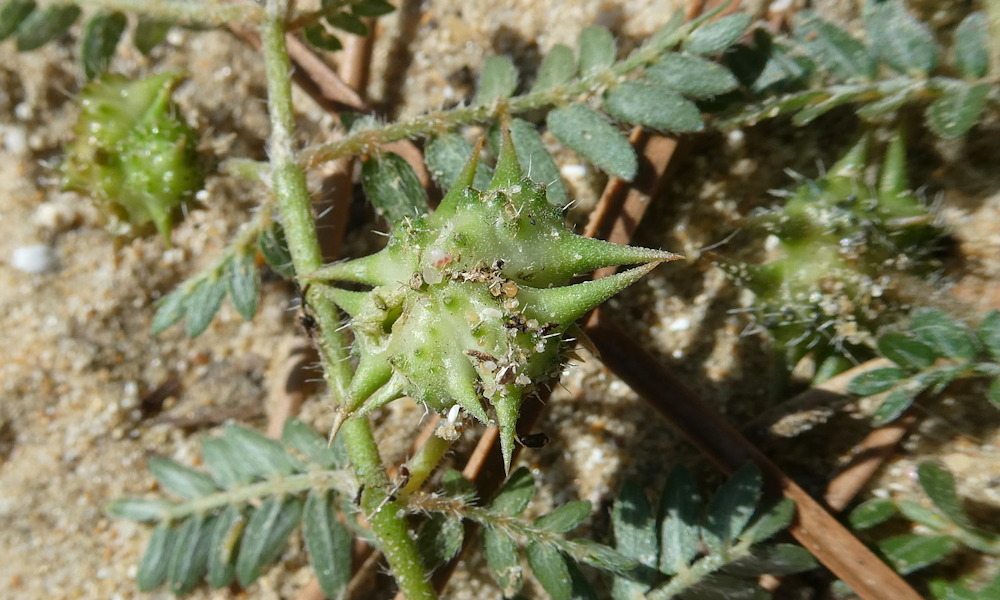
(34, 259)
(15, 140)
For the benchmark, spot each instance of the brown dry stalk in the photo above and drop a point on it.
(819, 403)
(867, 457)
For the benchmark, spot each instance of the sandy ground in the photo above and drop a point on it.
(87, 394)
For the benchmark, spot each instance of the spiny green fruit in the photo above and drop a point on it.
(471, 302)
(839, 245)
(132, 152)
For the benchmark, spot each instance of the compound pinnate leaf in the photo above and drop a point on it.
(597, 50)
(393, 187)
(895, 404)
(515, 495)
(945, 336)
(591, 135)
(301, 438)
(439, 539)
(732, 507)
(328, 543)
(910, 552)
(183, 481)
(872, 512)
(775, 519)
(718, 35)
(774, 559)
(317, 35)
(12, 14)
(678, 514)
(100, 38)
(993, 392)
(498, 80)
(566, 517)
(372, 8)
(138, 509)
(263, 456)
(456, 485)
(226, 465)
(537, 162)
(775, 107)
(224, 545)
(274, 247)
(817, 109)
(550, 570)
(155, 563)
(972, 57)
(922, 514)
(939, 485)
(906, 351)
(558, 67)
(169, 310)
(891, 101)
(502, 559)
(150, 33)
(603, 557)
(965, 589)
(958, 108)
(447, 154)
(189, 556)
(44, 25)
(634, 525)
(653, 105)
(243, 284)
(202, 304)
(349, 23)
(580, 588)
(903, 42)
(834, 48)
(692, 75)
(989, 333)
(720, 586)
(265, 535)
(875, 381)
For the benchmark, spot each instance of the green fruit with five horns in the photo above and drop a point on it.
(471, 303)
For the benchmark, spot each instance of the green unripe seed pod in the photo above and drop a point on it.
(132, 153)
(470, 303)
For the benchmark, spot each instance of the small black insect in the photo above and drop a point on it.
(306, 319)
(534, 440)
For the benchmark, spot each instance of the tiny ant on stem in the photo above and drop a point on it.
(306, 320)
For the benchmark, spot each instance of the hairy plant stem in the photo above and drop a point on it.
(702, 568)
(200, 12)
(992, 8)
(422, 464)
(289, 187)
(340, 480)
(368, 141)
(517, 528)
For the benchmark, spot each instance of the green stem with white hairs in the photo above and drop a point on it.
(192, 12)
(289, 187)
